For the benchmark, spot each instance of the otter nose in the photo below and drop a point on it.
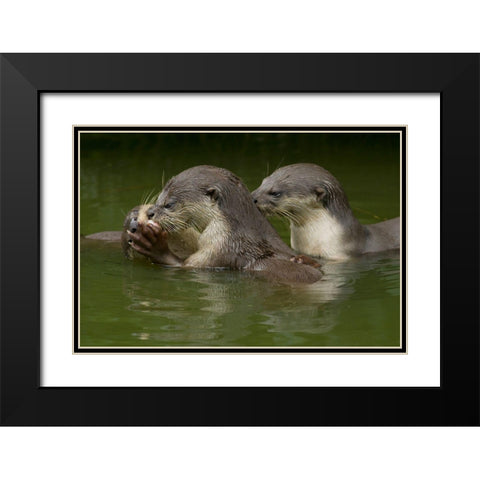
(133, 225)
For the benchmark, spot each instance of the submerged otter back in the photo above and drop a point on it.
(285, 271)
(383, 236)
(105, 236)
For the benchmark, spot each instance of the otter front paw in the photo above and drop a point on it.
(305, 260)
(150, 240)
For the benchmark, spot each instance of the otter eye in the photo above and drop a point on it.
(275, 194)
(168, 206)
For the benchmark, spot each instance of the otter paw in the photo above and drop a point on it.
(151, 241)
(155, 234)
(305, 260)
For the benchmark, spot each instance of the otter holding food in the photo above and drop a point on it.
(135, 216)
(181, 245)
(233, 233)
(321, 221)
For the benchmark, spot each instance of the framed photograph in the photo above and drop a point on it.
(143, 275)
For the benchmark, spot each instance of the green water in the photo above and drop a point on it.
(137, 304)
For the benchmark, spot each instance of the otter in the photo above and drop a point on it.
(181, 245)
(321, 221)
(233, 233)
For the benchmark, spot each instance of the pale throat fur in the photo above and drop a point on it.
(321, 235)
(211, 240)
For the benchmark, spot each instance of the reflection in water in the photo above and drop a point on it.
(171, 306)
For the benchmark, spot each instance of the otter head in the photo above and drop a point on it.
(135, 217)
(295, 191)
(195, 197)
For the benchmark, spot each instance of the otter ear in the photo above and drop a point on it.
(320, 193)
(213, 193)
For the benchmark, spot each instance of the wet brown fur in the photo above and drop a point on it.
(232, 231)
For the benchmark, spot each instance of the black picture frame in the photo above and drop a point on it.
(24, 77)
